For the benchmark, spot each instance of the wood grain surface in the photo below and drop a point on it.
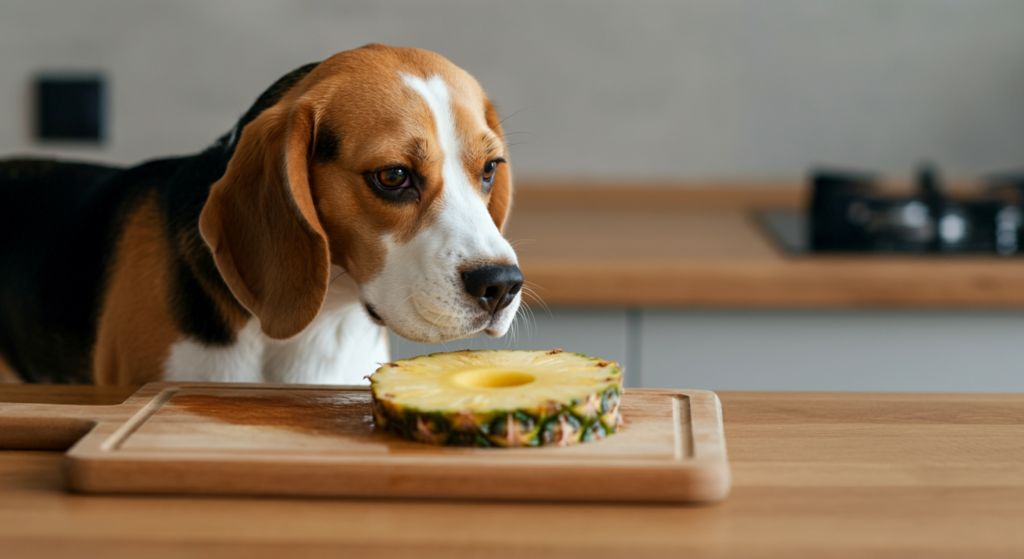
(293, 440)
(700, 247)
(815, 475)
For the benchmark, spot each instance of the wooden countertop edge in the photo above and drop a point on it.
(826, 283)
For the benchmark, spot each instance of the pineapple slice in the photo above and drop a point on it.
(499, 398)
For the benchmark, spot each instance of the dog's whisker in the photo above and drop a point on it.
(511, 334)
(529, 316)
(534, 296)
(527, 133)
(336, 278)
(515, 243)
(533, 286)
(502, 121)
(515, 320)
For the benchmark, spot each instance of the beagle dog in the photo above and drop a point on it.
(364, 191)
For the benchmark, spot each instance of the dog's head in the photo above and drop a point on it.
(389, 163)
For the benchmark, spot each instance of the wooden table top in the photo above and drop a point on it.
(815, 475)
(701, 247)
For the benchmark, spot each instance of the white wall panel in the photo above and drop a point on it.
(594, 88)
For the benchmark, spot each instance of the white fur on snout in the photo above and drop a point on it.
(420, 293)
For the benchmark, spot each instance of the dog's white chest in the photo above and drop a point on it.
(340, 346)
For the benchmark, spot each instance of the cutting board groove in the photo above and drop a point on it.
(320, 441)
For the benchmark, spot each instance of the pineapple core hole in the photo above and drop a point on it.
(493, 379)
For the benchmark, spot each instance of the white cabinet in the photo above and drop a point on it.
(914, 351)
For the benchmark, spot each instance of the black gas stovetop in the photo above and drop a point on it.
(851, 212)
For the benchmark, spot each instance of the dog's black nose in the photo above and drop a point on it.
(493, 287)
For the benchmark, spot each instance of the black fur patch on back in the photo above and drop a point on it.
(194, 311)
(59, 225)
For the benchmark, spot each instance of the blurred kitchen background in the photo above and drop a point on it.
(646, 96)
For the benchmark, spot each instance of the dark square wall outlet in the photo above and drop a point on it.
(70, 107)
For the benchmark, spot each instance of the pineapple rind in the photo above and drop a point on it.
(591, 414)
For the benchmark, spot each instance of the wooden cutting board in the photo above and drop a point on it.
(260, 439)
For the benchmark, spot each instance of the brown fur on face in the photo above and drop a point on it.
(295, 198)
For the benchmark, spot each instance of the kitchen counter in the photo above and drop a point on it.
(700, 247)
(815, 475)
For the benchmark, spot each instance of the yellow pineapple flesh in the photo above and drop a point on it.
(499, 398)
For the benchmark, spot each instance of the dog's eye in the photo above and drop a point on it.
(395, 177)
(489, 170)
(396, 184)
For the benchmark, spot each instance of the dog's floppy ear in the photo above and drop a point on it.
(262, 226)
(501, 191)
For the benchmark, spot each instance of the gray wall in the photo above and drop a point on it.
(596, 88)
